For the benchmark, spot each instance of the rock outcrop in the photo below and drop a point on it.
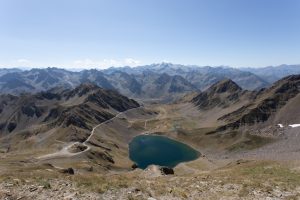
(166, 170)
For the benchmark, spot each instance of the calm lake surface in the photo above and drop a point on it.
(145, 150)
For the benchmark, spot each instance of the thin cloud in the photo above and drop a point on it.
(105, 63)
(76, 64)
(132, 62)
(23, 61)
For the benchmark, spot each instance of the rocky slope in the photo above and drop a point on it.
(70, 113)
(255, 107)
(266, 104)
(221, 94)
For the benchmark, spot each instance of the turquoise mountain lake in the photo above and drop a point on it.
(145, 150)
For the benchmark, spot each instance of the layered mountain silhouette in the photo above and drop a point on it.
(164, 81)
(272, 74)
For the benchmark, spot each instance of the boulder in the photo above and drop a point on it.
(166, 170)
(67, 171)
(77, 147)
(134, 166)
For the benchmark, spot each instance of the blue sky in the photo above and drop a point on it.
(101, 33)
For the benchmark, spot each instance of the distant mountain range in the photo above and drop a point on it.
(157, 81)
(272, 74)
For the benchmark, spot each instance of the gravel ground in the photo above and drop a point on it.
(287, 148)
(148, 187)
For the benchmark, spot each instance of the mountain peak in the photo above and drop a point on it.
(83, 88)
(221, 94)
(226, 85)
(87, 85)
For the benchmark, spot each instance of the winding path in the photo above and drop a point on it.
(64, 152)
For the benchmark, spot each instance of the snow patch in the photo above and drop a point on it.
(280, 125)
(294, 125)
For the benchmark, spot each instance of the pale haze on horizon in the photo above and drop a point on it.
(101, 33)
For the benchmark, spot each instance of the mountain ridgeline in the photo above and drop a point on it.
(72, 111)
(251, 107)
(157, 81)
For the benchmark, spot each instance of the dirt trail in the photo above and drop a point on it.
(64, 152)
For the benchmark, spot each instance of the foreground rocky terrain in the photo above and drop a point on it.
(241, 179)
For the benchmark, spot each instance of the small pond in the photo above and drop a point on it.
(145, 150)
